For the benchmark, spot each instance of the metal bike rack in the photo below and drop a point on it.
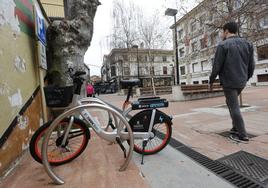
(56, 179)
(99, 101)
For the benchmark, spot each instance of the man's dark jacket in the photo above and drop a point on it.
(234, 62)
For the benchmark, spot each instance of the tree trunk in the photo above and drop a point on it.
(152, 72)
(69, 39)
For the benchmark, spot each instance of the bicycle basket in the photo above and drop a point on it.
(58, 96)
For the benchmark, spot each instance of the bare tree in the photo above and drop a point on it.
(247, 13)
(153, 34)
(124, 32)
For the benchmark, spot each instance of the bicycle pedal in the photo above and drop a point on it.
(118, 140)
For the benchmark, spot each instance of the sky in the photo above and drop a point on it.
(103, 23)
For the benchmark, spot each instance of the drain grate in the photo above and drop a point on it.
(249, 164)
(235, 177)
(227, 134)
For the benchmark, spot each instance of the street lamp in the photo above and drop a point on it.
(173, 73)
(137, 47)
(173, 12)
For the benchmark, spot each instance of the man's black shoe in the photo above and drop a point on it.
(238, 138)
(233, 131)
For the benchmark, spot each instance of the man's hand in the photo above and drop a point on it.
(210, 87)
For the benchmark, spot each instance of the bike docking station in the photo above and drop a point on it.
(147, 132)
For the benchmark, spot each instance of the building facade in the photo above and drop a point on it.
(54, 8)
(145, 64)
(198, 37)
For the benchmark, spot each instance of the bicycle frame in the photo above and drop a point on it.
(109, 136)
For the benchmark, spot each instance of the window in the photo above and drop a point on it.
(204, 81)
(202, 20)
(195, 67)
(164, 58)
(152, 71)
(214, 38)
(182, 69)
(210, 16)
(262, 78)
(152, 58)
(164, 70)
(262, 52)
(125, 57)
(126, 71)
(133, 58)
(180, 33)
(264, 22)
(147, 70)
(113, 71)
(183, 83)
(205, 66)
(145, 58)
(173, 58)
(237, 4)
(181, 52)
(195, 82)
(194, 46)
(203, 43)
(193, 26)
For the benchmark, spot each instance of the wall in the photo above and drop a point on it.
(20, 99)
(53, 8)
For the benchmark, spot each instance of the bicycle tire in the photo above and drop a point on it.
(35, 146)
(162, 137)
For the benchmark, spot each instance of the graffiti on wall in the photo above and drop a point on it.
(24, 13)
(16, 99)
(7, 15)
(18, 14)
(20, 64)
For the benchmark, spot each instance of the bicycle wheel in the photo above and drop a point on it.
(161, 130)
(60, 154)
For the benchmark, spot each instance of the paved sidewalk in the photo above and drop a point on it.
(198, 123)
(172, 169)
(96, 167)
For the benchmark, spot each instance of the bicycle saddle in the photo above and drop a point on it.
(129, 83)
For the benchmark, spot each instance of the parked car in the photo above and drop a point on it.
(105, 87)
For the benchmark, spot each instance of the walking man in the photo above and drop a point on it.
(234, 63)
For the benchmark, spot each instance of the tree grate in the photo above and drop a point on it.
(227, 134)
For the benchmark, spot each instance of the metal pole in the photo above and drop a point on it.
(176, 50)
(138, 62)
(106, 70)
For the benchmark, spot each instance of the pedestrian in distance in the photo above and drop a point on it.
(90, 90)
(234, 63)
